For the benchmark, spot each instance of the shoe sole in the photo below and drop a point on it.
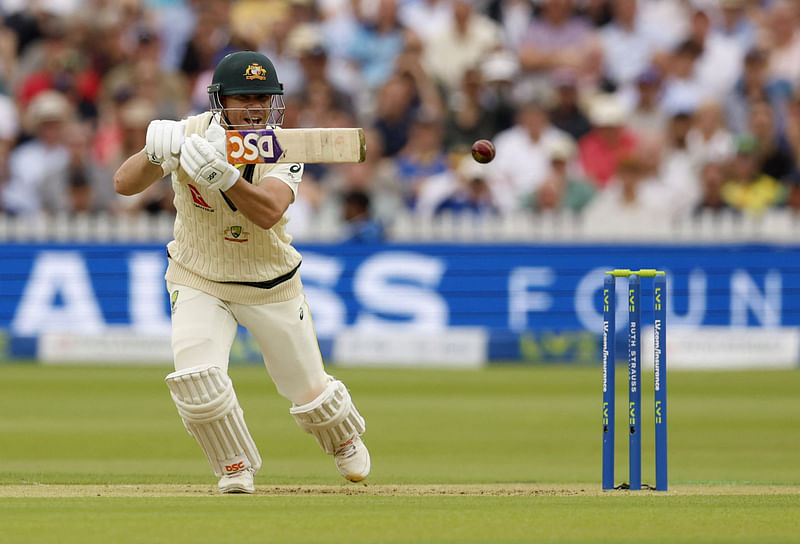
(236, 489)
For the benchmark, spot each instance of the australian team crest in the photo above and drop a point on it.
(255, 71)
(235, 233)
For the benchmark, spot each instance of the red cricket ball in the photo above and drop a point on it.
(483, 151)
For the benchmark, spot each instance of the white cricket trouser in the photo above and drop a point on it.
(204, 327)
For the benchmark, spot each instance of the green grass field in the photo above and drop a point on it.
(503, 454)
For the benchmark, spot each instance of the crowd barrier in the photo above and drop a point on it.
(405, 303)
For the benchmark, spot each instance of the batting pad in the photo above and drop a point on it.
(211, 413)
(331, 417)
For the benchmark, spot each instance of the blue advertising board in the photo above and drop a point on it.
(509, 289)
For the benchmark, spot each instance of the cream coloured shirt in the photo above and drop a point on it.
(218, 250)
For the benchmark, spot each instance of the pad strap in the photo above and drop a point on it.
(211, 413)
(331, 417)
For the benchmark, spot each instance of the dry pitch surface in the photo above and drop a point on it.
(497, 490)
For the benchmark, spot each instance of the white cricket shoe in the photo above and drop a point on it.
(238, 482)
(352, 460)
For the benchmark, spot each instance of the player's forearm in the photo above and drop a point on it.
(262, 204)
(136, 174)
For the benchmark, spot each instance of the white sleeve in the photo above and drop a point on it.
(289, 173)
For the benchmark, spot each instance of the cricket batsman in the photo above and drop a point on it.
(232, 263)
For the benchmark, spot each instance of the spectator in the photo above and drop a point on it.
(734, 23)
(627, 48)
(315, 69)
(9, 120)
(142, 76)
(38, 168)
(398, 102)
(499, 74)
(719, 64)
(8, 57)
(602, 148)
(175, 22)
(755, 84)
(775, 155)
(562, 190)
(708, 139)
(134, 116)
(338, 22)
(566, 112)
(467, 118)
(359, 224)
(513, 16)
(747, 188)
(712, 180)
(377, 43)
(793, 196)
(522, 162)
(469, 193)
(376, 176)
(88, 187)
(427, 18)
(410, 64)
(56, 63)
(25, 24)
(784, 42)
(79, 193)
(682, 90)
(792, 121)
(666, 22)
(678, 168)
(462, 188)
(630, 200)
(423, 155)
(648, 119)
(5, 151)
(558, 39)
(597, 13)
(209, 42)
(108, 39)
(285, 43)
(464, 43)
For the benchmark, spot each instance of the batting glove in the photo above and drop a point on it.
(163, 143)
(215, 135)
(202, 162)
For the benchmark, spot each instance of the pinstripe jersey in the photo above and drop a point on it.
(218, 250)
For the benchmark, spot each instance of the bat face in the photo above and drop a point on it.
(252, 146)
(292, 145)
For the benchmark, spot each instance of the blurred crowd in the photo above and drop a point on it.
(632, 109)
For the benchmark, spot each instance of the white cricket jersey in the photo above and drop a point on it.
(220, 251)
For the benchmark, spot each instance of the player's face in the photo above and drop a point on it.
(253, 110)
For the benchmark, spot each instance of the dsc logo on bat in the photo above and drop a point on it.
(252, 146)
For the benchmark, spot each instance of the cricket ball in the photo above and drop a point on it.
(483, 151)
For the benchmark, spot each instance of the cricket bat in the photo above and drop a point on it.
(306, 145)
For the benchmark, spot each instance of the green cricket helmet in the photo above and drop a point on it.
(246, 73)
